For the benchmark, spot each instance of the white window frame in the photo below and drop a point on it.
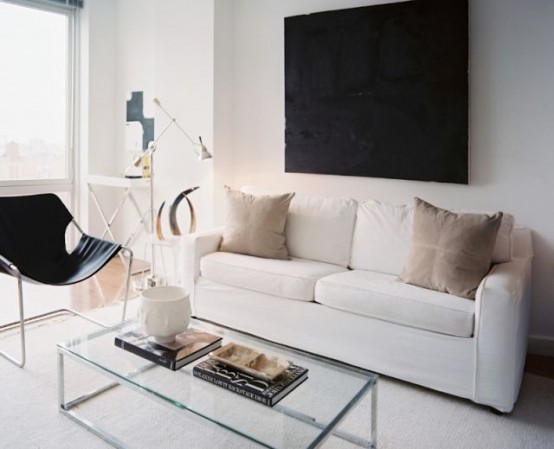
(67, 184)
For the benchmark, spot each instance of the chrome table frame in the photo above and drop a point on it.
(66, 407)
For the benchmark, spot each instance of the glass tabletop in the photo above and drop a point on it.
(302, 419)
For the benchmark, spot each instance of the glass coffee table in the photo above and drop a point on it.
(307, 417)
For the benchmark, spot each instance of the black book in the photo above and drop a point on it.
(265, 392)
(187, 347)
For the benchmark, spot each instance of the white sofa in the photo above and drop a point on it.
(339, 296)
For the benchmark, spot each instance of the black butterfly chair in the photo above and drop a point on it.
(32, 249)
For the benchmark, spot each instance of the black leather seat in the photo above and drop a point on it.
(33, 248)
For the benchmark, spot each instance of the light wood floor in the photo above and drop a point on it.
(109, 286)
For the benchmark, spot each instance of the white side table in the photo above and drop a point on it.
(128, 185)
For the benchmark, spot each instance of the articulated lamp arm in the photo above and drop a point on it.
(201, 153)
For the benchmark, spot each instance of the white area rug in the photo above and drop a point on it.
(408, 416)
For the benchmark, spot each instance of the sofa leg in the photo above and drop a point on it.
(498, 412)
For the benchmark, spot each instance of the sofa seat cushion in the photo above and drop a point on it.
(293, 279)
(384, 297)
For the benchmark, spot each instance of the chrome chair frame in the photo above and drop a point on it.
(14, 271)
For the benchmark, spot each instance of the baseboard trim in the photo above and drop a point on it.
(541, 345)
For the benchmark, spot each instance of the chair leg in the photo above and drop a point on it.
(21, 361)
(21, 322)
(129, 254)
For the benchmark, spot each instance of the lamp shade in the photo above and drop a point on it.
(204, 153)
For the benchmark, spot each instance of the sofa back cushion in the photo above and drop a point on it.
(383, 234)
(318, 228)
(382, 237)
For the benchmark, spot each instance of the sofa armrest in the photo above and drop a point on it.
(196, 246)
(501, 329)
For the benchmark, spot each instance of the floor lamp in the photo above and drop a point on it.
(201, 152)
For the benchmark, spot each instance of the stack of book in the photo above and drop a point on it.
(263, 391)
(187, 347)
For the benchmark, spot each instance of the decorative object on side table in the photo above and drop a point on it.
(187, 347)
(173, 224)
(164, 312)
(237, 381)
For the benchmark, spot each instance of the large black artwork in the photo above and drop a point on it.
(379, 91)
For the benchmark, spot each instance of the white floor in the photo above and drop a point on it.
(37, 299)
(408, 416)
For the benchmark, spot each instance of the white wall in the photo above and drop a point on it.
(184, 67)
(166, 50)
(223, 103)
(512, 109)
(96, 105)
(218, 66)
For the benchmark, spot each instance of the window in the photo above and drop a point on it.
(36, 92)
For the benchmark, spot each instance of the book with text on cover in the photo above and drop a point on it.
(263, 391)
(187, 347)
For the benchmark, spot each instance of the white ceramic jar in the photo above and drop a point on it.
(164, 312)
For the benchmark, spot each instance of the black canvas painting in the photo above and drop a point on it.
(379, 91)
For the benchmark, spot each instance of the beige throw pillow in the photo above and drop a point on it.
(256, 224)
(450, 252)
